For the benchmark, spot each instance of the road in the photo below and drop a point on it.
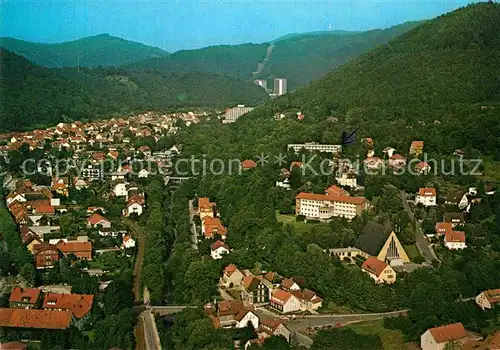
(194, 237)
(152, 339)
(141, 240)
(423, 244)
(330, 319)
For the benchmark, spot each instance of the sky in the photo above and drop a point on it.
(188, 24)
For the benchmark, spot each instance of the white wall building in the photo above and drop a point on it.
(280, 86)
(314, 146)
(426, 196)
(324, 206)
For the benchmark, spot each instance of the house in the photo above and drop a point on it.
(417, 148)
(231, 277)
(459, 198)
(213, 226)
(346, 178)
(269, 328)
(344, 254)
(33, 318)
(135, 205)
(437, 338)
(336, 191)
(426, 196)
(248, 164)
(284, 301)
(289, 285)
(80, 249)
(25, 298)
(13, 345)
(61, 186)
(455, 240)
(256, 290)
(379, 271)
(232, 314)
(309, 300)
(143, 173)
(96, 220)
(397, 161)
(120, 189)
(373, 164)
(218, 249)
(205, 207)
(128, 242)
(442, 228)
(488, 298)
(46, 255)
(284, 184)
(423, 167)
(454, 218)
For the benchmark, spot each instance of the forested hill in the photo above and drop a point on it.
(100, 50)
(438, 83)
(34, 96)
(298, 57)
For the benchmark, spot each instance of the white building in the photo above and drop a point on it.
(143, 173)
(284, 184)
(236, 112)
(325, 206)
(314, 146)
(426, 196)
(280, 86)
(284, 302)
(488, 298)
(261, 82)
(437, 338)
(120, 189)
(218, 249)
(128, 242)
(347, 179)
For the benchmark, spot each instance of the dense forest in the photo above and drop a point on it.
(34, 96)
(93, 51)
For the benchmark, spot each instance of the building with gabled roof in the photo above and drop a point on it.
(79, 304)
(25, 298)
(213, 226)
(218, 249)
(205, 207)
(417, 148)
(284, 301)
(426, 196)
(82, 250)
(46, 255)
(231, 277)
(96, 219)
(436, 338)
(379, 271)
(33, 318)
(455, 240)
(255, 290)
(488, 298)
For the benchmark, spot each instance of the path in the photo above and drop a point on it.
(423, 244)
(194, 235)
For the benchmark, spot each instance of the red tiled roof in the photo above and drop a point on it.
(443, 227)
(15, 345)
(33, 318)
(248, 164)
(78, 304)
(205, 204)
(417, 144)
(374, 266)
(218, 244)
(455, 236)
(331, 198)
(18, 295)
(448, 333)
(493, 295)
(427, 192)
(136, 199)
(280, 296)
(335, 190)
(96, 218)
(74, 246)
(229, 269)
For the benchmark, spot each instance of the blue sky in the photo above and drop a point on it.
(188, 24)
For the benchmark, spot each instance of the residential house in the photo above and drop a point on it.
(284, 184)
(128, 242)
(334, 190)
(346, 178)
(269, 328)
(256, 290)
(454, 218)
(344, 254)
(417, 148)
(143, 174)
(232, 314)
(13, 345)
(218, 249)
(437, 338)
(61, 186)
(458, 198)
(231, 277)
(397, 161)
(455, 240)
(379, 271)
(426, 196)
(25, 298)
(442, 228)
(46, 255)
(309, 300)
(488, 298)
(205, 207)
(373, 164)
(135, 205)
(289, 285)
(80, 249)
(389, 151)
(284, 301)
(120, 189)
(96, 220)
(213, 226)
(423, 167)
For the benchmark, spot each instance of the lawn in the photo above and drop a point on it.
(391, 339)
(300, 226)
(412, 251)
